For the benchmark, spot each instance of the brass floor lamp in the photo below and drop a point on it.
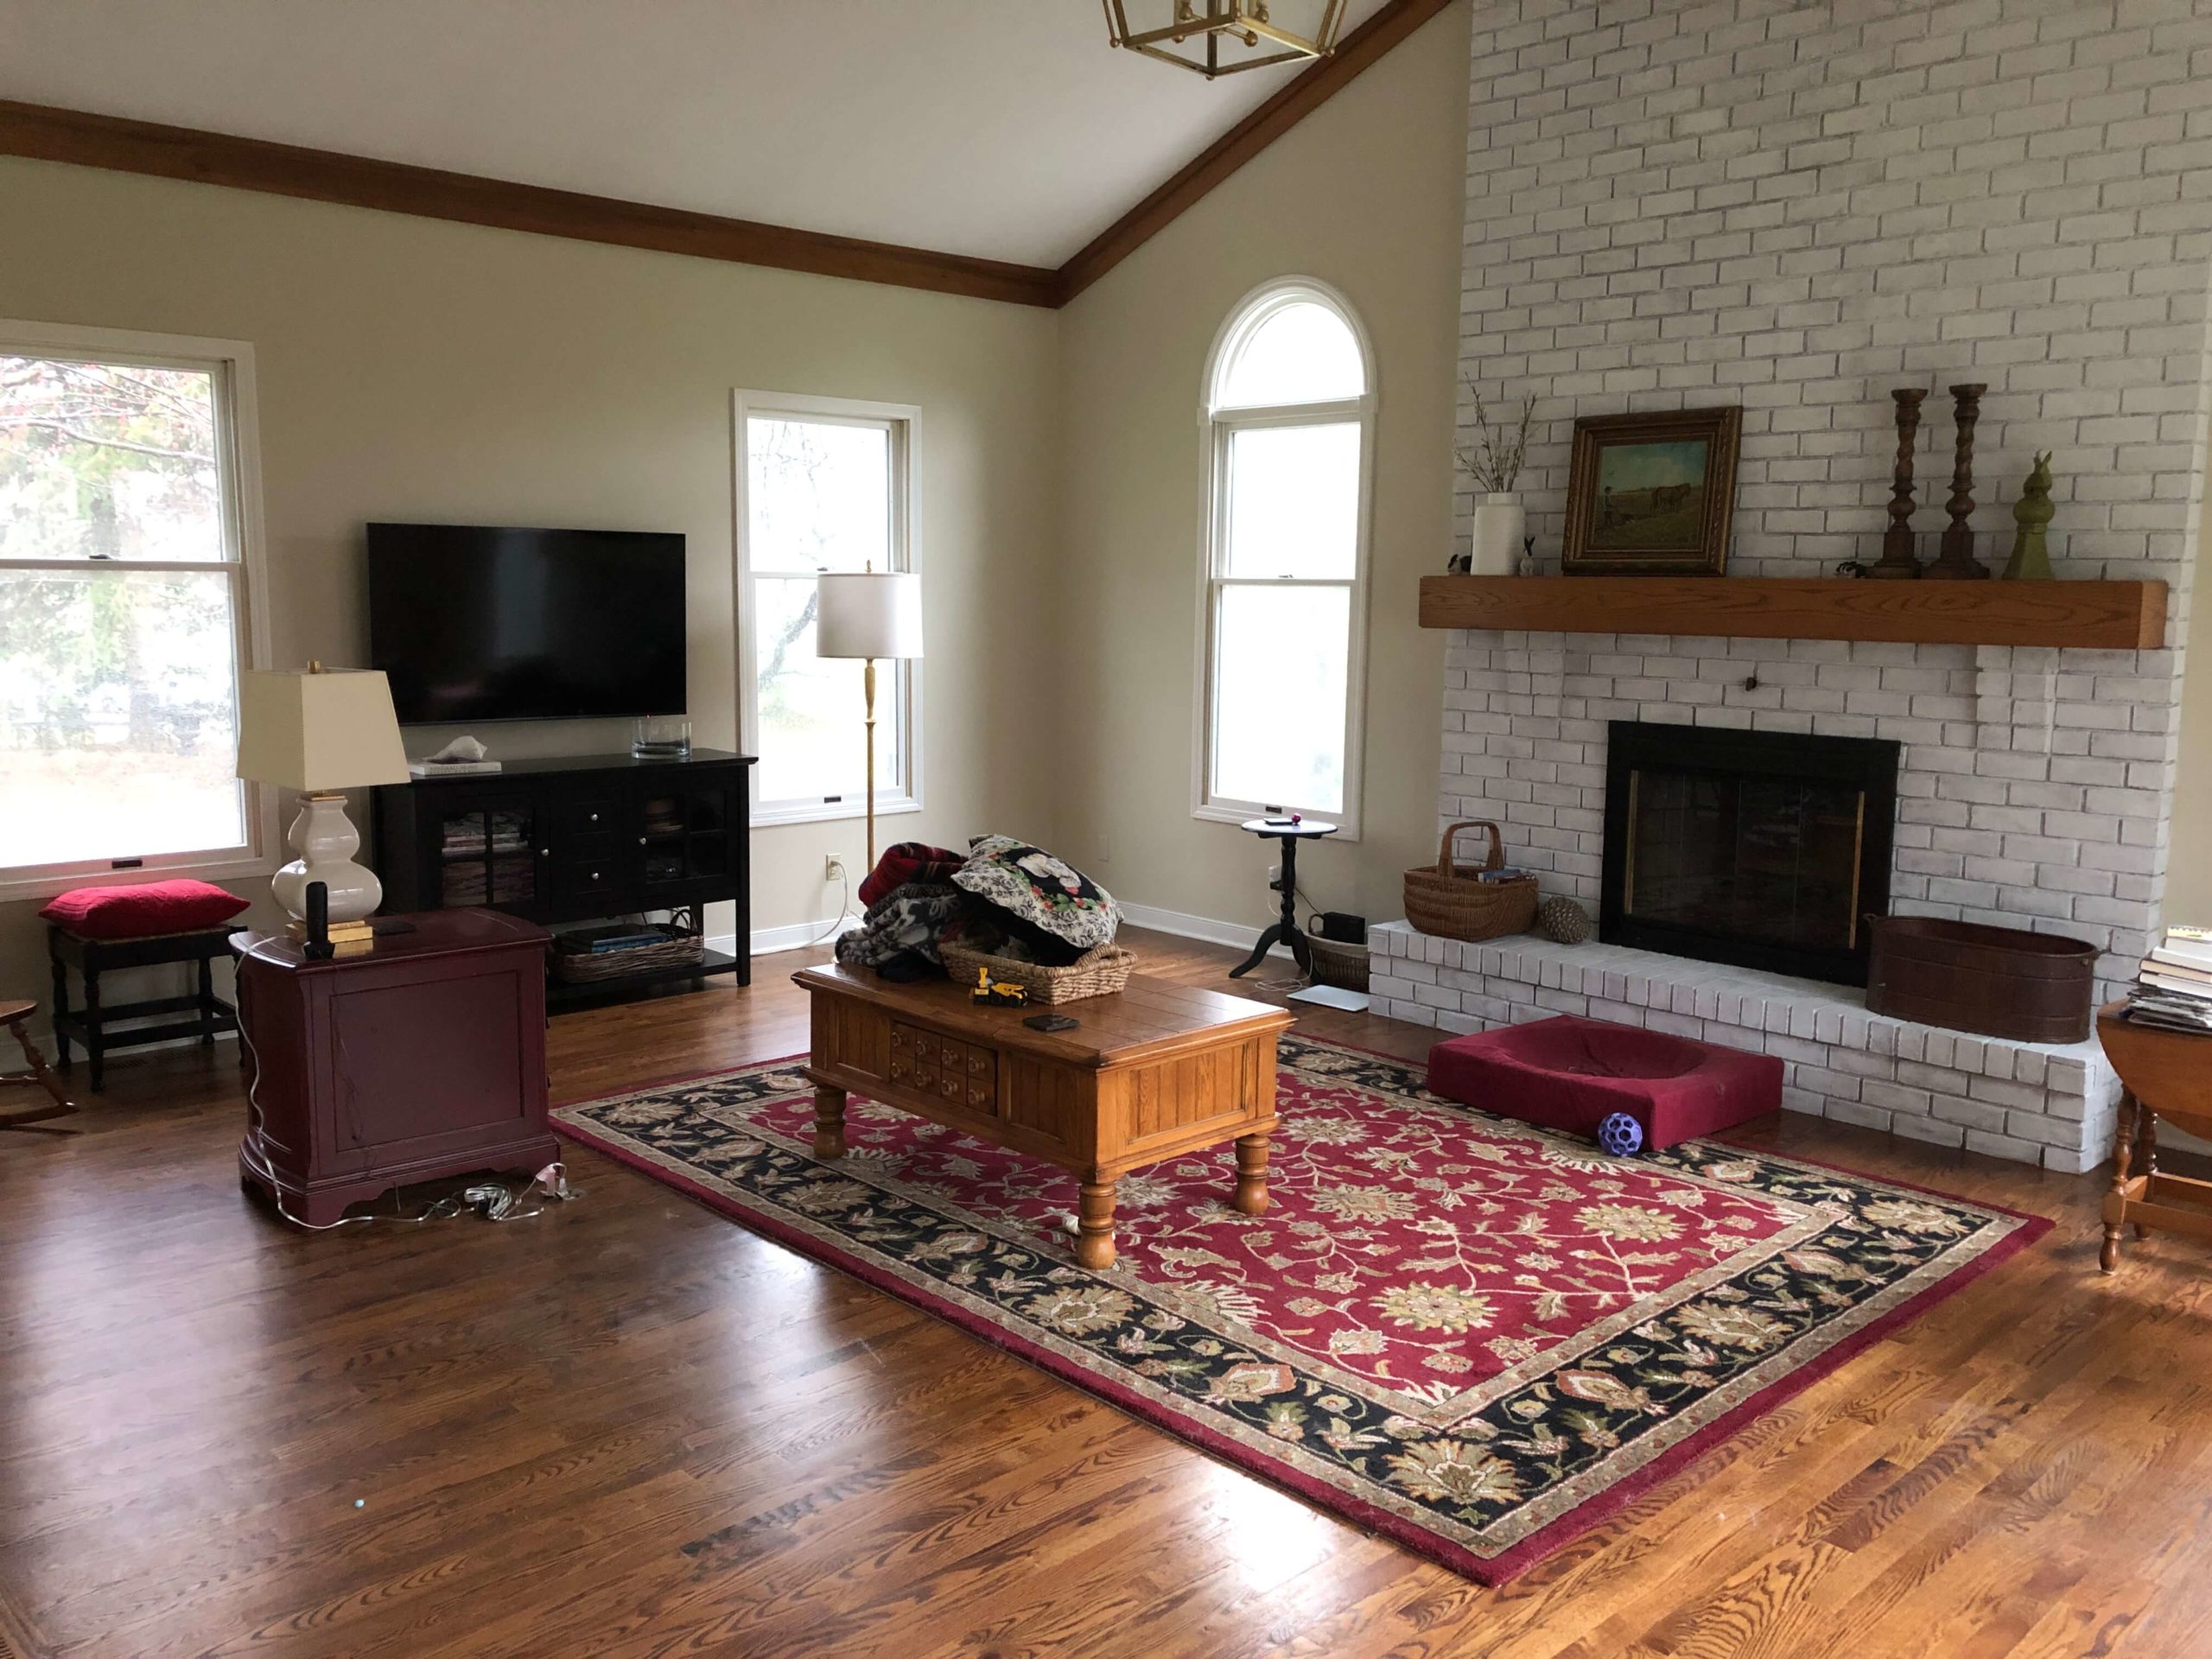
(869, 615)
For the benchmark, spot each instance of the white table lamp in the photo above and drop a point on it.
(321, 733)
(868, 613)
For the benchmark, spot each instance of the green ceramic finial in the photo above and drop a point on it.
(2031, 558)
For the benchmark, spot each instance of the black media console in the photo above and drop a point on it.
(577, 839)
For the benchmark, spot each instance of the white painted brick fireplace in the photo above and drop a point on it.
(1796, 206)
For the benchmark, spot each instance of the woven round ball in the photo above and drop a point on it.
(1621, 1136)
(1563, 921)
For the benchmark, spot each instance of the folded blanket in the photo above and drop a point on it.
(898, 937)
(909, 860)
(1054, 909)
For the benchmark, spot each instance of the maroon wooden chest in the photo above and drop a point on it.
(421, 1057)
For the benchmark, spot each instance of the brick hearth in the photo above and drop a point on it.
(2031, 1102)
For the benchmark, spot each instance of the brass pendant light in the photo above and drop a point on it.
(1195, 38)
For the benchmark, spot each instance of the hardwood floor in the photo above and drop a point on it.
(627, 1427)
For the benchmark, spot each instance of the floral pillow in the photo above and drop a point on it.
(1040, 891)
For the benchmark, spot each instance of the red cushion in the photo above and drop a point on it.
(134, 912)
(1570, 1073)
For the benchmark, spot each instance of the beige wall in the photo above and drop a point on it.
(1366, 194)
(415, 369)
(2189, 860)
(411, 369)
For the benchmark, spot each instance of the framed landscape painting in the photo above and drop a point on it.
(1651, 495)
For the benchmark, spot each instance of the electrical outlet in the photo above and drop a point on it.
(833, 868)
(1274, 872)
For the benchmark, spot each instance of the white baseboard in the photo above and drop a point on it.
(796, 937)
(799, 935)
(1188, 926)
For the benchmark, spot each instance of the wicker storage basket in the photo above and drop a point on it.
(583, 967)
(1450, 901)
(1096, 973)
(1337, 962)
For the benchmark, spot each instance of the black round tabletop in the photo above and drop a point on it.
(1305, 829)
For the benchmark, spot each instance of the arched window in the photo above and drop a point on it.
(1289, 419)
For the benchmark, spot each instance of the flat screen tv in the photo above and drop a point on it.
(474, 624)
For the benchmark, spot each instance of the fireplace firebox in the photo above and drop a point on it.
(1763, 849)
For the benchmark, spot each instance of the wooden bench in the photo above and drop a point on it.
(93, 1026)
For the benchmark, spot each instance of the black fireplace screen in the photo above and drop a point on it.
(1764, 850)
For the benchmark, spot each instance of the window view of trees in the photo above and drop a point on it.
(118, 601)
(818, 497)
(1290, 418)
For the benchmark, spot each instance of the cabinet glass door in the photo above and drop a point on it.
(487, 855)
(685, 833)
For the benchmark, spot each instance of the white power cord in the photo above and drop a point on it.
(493, 1200)
(844, 910)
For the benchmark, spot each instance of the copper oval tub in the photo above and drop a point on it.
(1997, 982)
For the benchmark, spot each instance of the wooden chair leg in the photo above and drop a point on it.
(38, 1075)
(60, 1012)
(95, 1044)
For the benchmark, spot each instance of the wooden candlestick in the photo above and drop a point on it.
(1955, 561)
(1898, 562)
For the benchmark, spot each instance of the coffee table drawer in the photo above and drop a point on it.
(958, 1074)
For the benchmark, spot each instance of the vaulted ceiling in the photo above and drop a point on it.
(1004, 129)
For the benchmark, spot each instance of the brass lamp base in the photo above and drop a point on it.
(347, 938)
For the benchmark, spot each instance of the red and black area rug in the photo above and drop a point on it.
(1474, 1337)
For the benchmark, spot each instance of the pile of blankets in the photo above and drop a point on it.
(1002, 896)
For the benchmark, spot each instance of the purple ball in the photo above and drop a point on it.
(1621, 1136)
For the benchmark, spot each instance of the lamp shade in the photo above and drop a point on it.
(868, 614)
(317, 732)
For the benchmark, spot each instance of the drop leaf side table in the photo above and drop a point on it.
(2166, 1074)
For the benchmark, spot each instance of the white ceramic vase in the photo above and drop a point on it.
(325, 841)
(1500, 523)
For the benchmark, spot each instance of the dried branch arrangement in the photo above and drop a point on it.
(1496, 459)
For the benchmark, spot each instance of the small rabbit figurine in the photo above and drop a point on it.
(2030, 560)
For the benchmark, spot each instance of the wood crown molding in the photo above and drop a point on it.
(39, 132)
(125, 146)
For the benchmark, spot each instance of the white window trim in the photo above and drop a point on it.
(1216, 422)
(232, 360)
(905, 795)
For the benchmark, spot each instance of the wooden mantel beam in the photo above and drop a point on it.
(2100, 615)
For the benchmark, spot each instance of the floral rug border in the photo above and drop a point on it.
(1489, 1553)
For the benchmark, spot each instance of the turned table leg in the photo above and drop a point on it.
(2116, 1200)
(1251, 1197)
(1094, 1245)
(2146, 1156)
(829, 1123)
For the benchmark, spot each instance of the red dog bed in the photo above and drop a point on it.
(1570, 1073)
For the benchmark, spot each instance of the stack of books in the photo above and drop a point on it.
(2173, 990)
(627, 935)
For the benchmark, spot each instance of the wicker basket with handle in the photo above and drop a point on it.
(1452, 902)
(1095, 973)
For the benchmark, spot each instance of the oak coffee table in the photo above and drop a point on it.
(1152, 1071)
